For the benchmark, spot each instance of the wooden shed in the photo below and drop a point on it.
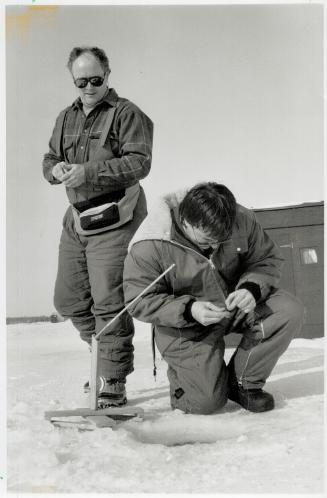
(299, 232)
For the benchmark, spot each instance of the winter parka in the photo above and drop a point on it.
(249, 256)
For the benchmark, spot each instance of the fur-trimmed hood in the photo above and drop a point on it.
(157, 225)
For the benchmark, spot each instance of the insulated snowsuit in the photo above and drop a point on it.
(195, 354)
(114, 144)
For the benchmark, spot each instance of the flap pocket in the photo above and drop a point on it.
(240, 245)
(237, 246)
(228, 259)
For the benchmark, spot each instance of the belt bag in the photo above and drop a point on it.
(105, 212)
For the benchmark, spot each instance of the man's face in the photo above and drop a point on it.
(87, 66)
(200, 237)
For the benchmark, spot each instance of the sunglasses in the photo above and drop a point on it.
(94, 80)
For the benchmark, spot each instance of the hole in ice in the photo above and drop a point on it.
(190, 430)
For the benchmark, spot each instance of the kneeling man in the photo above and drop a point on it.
(225, 279)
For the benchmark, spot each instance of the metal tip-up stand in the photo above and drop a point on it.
(89, 418)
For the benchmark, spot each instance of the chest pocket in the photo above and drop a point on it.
(102, 148)
(229, 259)
(111, 144)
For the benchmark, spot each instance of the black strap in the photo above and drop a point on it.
(154, 352)
(107, 126)
(115, 196)
(61, 125)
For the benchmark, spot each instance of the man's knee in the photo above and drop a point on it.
(206, 406)
(201, 404)
(70, 303)
(291, 309)
(287, 315)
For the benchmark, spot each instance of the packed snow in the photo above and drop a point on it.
(232, 451)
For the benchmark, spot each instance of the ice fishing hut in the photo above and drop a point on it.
(299, 232)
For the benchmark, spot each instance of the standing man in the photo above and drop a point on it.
(100, 148)
(225, 279)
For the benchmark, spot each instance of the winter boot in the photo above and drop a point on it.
(254, 400)
(112, 392)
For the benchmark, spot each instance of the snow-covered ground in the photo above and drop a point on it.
(233, 451)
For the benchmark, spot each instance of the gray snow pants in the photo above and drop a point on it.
(197, 372)
(89, 288)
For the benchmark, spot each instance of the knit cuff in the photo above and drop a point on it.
(187, 315)
(253, 288)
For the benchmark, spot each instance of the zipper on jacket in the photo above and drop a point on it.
(209, 260)
(212, 264)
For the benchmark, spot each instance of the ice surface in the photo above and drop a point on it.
(233, 451)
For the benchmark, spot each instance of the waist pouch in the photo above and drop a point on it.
(106, 211)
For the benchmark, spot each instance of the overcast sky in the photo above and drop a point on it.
(235, 92)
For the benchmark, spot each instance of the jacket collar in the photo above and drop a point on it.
(158, 224)
(110, 98)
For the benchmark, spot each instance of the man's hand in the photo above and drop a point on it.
(75, 175)
(242, 299)
(59, 170)
(207, 313)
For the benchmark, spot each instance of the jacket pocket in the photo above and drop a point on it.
(239, 246)
(229, 257)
